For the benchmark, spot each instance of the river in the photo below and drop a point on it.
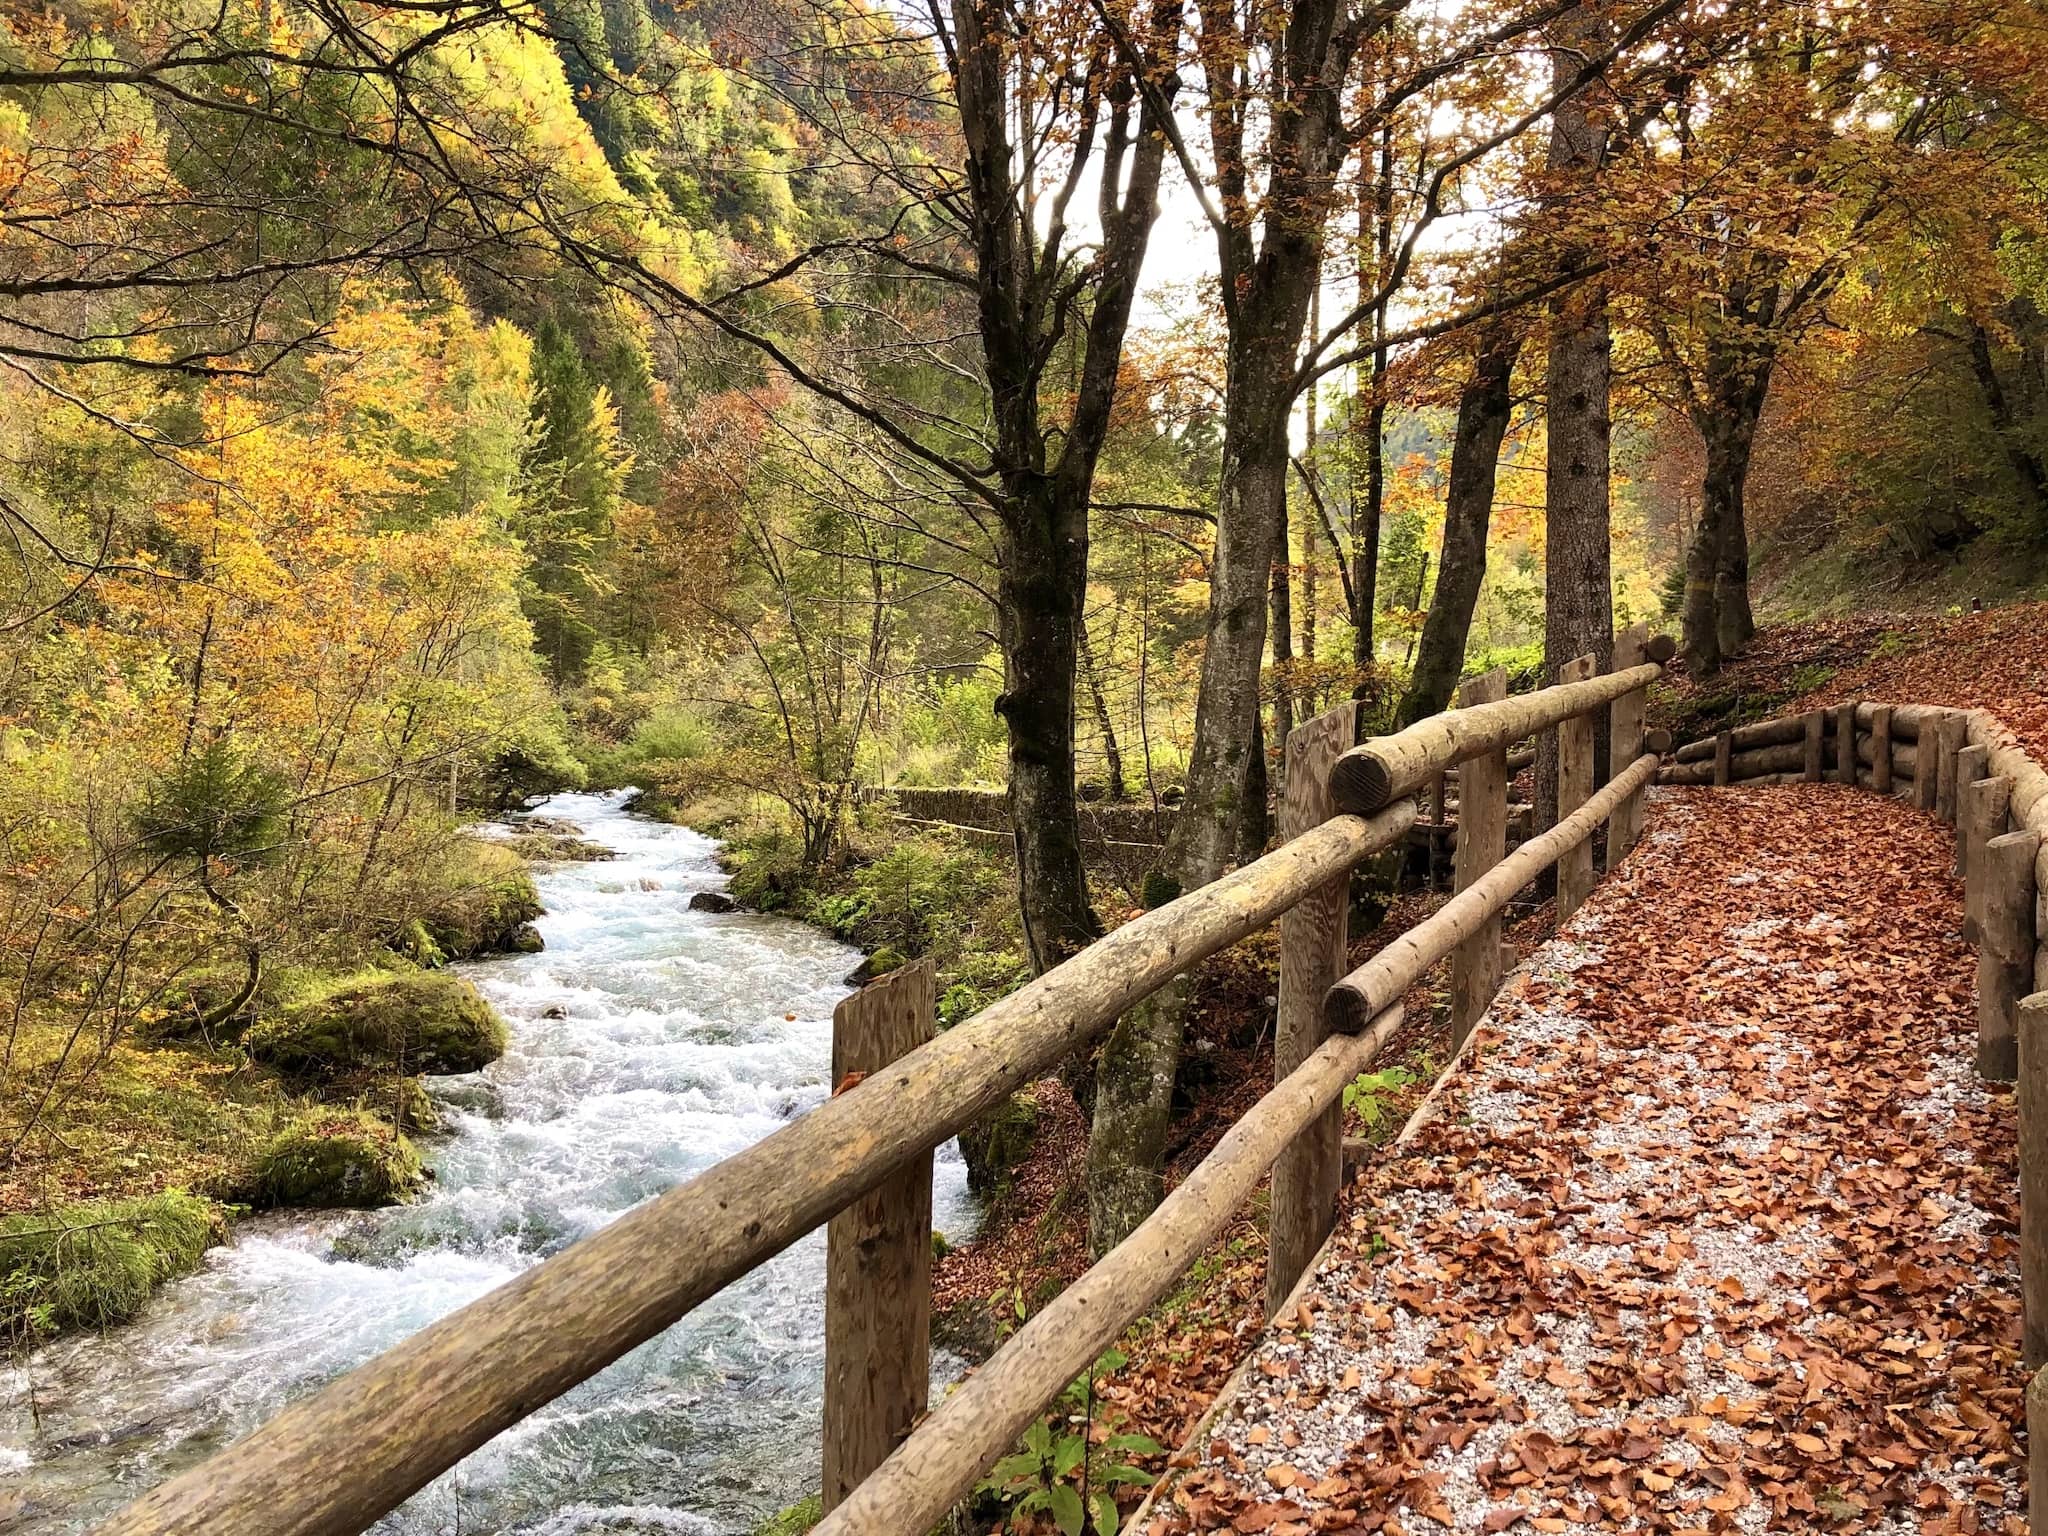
(647, 1042)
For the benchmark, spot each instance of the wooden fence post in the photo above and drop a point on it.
(1439, 818)
(1482, 842)
(1972, 763)
(1948, 741)
(1312, 954)
(1816, 723)
(1574, 788)
(1724, 757)
(2031, 1110)
(2037, 1451)
(1881, 749)
(1980, 816)
(1845, 744)
(2005, 948)
(878, 1255)
(1625, 741)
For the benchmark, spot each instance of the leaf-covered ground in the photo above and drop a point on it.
(1996, 660)
(1716, 1234)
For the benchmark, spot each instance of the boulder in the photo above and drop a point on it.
(713, 901)
(558, 848)
(880, 963)
(432, 1023)
(337, 1158)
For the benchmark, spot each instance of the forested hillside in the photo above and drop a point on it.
(410, 411)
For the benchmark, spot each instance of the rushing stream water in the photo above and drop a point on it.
(648, 1042)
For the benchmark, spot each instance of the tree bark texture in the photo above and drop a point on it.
(1270, 264)
(1578, 597)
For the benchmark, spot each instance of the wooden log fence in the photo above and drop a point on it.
(1312, 945)
(1626, 741)
(340, 1459)
(1574, 787)
(1382, 771)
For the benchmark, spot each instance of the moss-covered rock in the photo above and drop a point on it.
(489, 900)
(94, 1263)
(559, 848)
(432, 1022)
(396, 1099)
(337, 1158)
(998, 1143)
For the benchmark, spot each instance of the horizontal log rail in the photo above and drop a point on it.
(1383, 980)
(338, 1460)
(1389, 767)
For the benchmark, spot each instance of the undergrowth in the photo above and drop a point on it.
(897, 893)
(94, 1263)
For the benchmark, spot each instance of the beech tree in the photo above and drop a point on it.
(1774, 169)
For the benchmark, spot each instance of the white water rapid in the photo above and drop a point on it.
(648, 1042)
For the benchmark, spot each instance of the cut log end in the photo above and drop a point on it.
(1347, 1010)
(1660, 648)
(1658, 741)
(1361, 784)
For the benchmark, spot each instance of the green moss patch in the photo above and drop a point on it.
(432, 1023)
(399, 1101)
(795, 1520)
(94, 1263)
(337, 1158)
(997, 1144)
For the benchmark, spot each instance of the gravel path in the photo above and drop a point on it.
(1716, 1234)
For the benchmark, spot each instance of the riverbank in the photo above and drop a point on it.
(647, 1041)
(234, 1089)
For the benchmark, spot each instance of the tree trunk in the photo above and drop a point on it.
(1369, 411)
(1250, 513)
(1043, 506)
(1043, 585)
(1717, 618)
(1310, 552)
(1578, 596)
(2027, 466)
(1732, 613)
(1700, 621)
(1105, 727)
(1282, 602)
(1484, 407)
(1224, 807)
(1133, 1110)
(1268, 279)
